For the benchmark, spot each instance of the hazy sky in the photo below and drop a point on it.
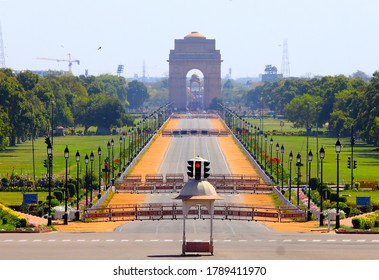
(325, 37)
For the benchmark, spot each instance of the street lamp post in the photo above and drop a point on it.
(50, 164)
(129, 146)
(124, 150)
(65, 216)
(91, 158)
(86, 159)
(282, 152)
(338, 150)
(322, 155)
(99, 154)
(289, 183)
(77, 158)
(298, 164)
(271, 142)
(109, 163)
(112, 145)
(119, 167)
(265, 151)
(310, 157)
(277, 163)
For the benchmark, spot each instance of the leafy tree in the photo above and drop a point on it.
(137, 94)
(303, 110)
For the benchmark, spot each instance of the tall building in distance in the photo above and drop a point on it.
(271, 74)
(285, 61)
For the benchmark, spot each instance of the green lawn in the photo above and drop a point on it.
(19, 159)
(367, 156)
(15, 198)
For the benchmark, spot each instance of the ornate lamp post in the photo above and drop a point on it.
(65, 216)
(77, 158)
(289, 183)
(271, 142)
(119, 167)
(129, 146)
(277, 163)
(91, 158)
(322, 156)
(338, 150)
(124, 140)
(282, 152)
(310, 157)
(50, 164)
(86, 160)
(99, 154)
(109, 163)
(298, 164)
(112, 145)
(265, 137)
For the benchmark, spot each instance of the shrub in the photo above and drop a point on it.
(357, 223)
(58, 195)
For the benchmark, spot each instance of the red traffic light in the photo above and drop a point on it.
(197, 164)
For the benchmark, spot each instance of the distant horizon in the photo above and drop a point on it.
(324, 38)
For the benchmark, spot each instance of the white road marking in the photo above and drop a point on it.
(316, 240)
(287, 240)
(361, 240)
(331, 240)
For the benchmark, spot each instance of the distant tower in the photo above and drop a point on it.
(285, 61)
(143, 71)
(2, 55)
(230, 72)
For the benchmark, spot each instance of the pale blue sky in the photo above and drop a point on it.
(325, 37)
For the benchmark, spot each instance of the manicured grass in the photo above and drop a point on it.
(19, 159)
(353, 195)
(15, 198)
(367, 156)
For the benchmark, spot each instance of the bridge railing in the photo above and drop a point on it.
(157, 211)
(174, 182)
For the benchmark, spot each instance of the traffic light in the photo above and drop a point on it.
(355, 164)
(45, 163)
(190, 168)
(352, 140)
(349, 162)
(197, 170)
(206, 169)
(47, 140)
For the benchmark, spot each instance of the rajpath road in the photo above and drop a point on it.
(157, 240)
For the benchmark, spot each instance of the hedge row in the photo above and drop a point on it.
(9, 216)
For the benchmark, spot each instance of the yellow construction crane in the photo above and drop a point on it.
(69, 60)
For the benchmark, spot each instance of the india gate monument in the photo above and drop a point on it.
(194, 53)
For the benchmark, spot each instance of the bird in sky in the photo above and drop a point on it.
(99, 48)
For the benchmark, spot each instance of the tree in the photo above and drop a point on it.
(303, 110)
(137, 94)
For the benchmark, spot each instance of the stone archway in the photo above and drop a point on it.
(194, 52)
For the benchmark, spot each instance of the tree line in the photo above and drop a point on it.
(29, 104)
(338, 103)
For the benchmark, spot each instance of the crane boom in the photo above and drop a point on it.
(69, 60)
